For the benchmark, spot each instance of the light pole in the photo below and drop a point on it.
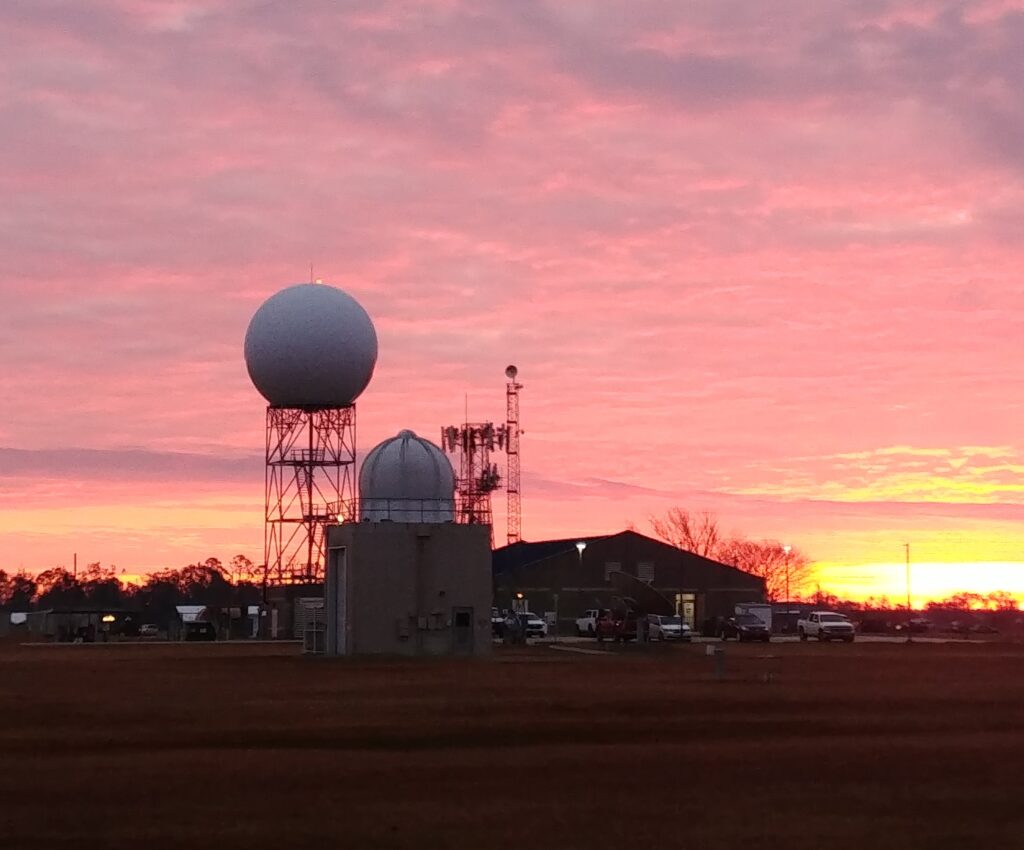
(910, 637)
(580, 546)
(787, 549)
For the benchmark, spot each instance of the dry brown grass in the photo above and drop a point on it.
(867, 746)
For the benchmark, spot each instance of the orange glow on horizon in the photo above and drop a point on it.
(929, 581)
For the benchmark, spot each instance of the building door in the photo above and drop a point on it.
(686, 608)
(462, 631)
(336, 602)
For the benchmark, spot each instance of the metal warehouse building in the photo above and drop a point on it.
(565, 577)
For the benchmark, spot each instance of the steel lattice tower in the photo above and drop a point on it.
(310, 484)
(512, 450)
(478, 476)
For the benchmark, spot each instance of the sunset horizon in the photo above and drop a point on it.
(768, 269)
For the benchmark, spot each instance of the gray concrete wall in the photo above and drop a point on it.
(403, 582)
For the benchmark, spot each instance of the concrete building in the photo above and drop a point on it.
(291, 609)
(408, 589)
(563, 578)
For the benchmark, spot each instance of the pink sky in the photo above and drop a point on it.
(757, 258)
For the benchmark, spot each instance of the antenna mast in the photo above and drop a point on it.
(512, 477)
(473, 442)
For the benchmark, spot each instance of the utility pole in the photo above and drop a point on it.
(910, 637)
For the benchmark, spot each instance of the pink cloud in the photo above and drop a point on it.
(724, 247)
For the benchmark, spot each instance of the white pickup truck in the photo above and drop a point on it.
(825, 625)
(587, 624)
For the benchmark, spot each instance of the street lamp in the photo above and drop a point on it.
(787, 549)
(906, 547)
(580, 546)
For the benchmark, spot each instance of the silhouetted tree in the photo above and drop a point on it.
(693, 532)
(998, 600)
(205, 583)
(58, 588)
(769, 560)
(17, 591)
(158, 595)
(101, 587)
(243, 570)
(701, 534)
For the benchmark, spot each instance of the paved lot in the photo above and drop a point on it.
(574, 639)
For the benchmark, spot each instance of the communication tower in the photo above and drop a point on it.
(512, 389)
(478, 477)
(310, 350)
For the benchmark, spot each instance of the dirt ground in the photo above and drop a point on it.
(867, 746)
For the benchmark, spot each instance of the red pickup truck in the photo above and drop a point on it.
(616, 627)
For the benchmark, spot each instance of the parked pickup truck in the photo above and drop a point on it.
(825, 625)
(616, 626)
(587, 624)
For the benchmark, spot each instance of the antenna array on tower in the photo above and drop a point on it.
(478, 477)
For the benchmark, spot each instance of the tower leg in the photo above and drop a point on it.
(310, 484)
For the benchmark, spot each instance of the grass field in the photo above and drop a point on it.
(867, 746)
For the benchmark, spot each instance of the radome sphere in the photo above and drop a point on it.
(311, 346)
(407, 479)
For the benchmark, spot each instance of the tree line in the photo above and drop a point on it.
(207, 582)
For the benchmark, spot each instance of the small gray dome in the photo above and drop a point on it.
(407, 479)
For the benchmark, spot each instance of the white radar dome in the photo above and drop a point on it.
(310, 346)
(407, 479)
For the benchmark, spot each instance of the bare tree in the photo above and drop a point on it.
(694, 532)
(785, 570)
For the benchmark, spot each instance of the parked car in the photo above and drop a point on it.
(616, 627)
(874, 626)
(148, 630)
(587, 624)
(916, 626)
(826, 625)
(533, 626)
(199, 630)
(745, 627)
(660, 627)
